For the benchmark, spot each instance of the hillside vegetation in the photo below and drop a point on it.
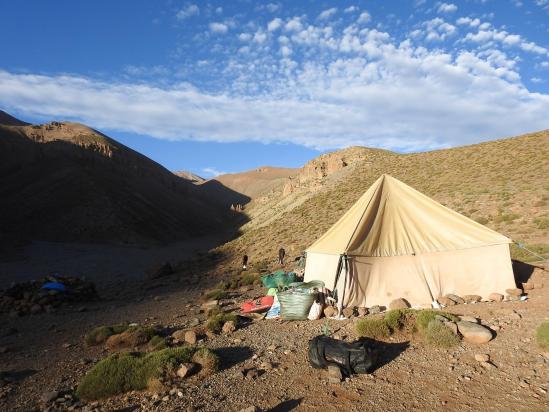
(502, 184)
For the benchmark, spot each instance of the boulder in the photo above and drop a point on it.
(446, 301)
(49, 396)
(512, 298)
(455, 298)
(211, 304)
(127, 340)
(474, 333)
(468, 319)
(495, 297)
(514, 291)
(179, 335)
(399, 303)
(190, 337)
(228, 327)
(452, 326)
(472, 298)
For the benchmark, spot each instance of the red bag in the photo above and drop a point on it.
(259, 305)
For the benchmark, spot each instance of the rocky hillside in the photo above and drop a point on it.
(66, 181)
(503, 184)
(191, 177)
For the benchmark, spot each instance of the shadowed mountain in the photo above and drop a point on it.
(66, 181)
(8, 120)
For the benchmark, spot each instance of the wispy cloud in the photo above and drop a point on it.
(187, 11)
(212, 172)
(219, 28)
(447, 8)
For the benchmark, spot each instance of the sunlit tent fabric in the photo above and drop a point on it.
(400, 243)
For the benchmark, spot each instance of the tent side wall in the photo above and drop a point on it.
(419, 279)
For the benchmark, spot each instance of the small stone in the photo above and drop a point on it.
(362, 311)
(400, 303)
(4, 349)
(348, 312)
(35, 309)
(468, 319)
(50, 396)
(252, 374)
(334, 374)
(524, 383)
(512, 298)
(228, 327)
(210, 304)
(266, 366)
(455, 298)
(528, 286)
(190, 337)
(472, 298)
(446, 301)
(250, 409)
(474, 333)
(66, 345)
(442, 319)
(482, 357)
(194, 322)
(330, 311)
(374, 310)
(495, 297)
(185, 370)
(514, 291)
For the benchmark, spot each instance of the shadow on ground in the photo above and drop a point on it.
(286, 405)
(233, 355)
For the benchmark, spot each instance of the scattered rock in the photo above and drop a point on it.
(228, 327)
(179, 335)
(472, 298)
(512, 298)
(474, 333)
(330, 311)
(455, 298)
(50, 396)
(250, 409)
(442, 319)
(400, 303)
(452, 326)
(334, 374)
(374, 310)
(446, 301)
(362, 311)
(186, 369)
(211, 304)
(190, 337)
(251, 374)
(468, 319)
(486, 365)
(35, 309)
(495, 297)
(528, 286)
(514, 291)
(348, 312)
(482, 357)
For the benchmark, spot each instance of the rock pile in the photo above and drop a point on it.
(30, 298)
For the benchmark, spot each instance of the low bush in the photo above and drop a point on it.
(123, 372)
(542, 335)
(217, 320)
(425, 316)
(437, 334)
(100, 334)
(395, 319)
(216, 294)
(372, 328)
(157, 342)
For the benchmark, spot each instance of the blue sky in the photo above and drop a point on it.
(229, 86)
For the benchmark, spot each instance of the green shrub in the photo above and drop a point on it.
(216, 294)
(437, 334)
(395, 319)
(248, 279)
(482, 220)
(542, 335)
(123, 372)
(372, 328)
(542, 222)
(217, 320)
(100, 334)
(425, 316)
(157, 342)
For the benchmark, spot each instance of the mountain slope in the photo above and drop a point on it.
(503, 184)
(65, 181)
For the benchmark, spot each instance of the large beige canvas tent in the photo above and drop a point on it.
(395, 242)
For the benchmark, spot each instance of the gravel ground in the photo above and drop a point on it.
(46, 352)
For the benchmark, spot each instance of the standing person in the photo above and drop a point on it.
(245, 262)
(281, 254)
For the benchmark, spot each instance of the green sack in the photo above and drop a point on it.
(272, 292)
(278, 279)
(295, 305)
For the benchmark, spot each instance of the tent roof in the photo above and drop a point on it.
(392, 219)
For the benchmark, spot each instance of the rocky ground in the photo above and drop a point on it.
(264, 363)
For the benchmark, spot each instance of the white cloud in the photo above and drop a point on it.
(274, 24)
(437, 30)
(219, 10)
(486, 37)
(272, 7)
(447, 8)
(350, 9)
(364, 17)
(219, 28)
(212, 172)
(536, 80)
(468, 21)
(260, 36)
(294, 24)
(326, 14)
(188, 11)
(285, 51)
(245, 36)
